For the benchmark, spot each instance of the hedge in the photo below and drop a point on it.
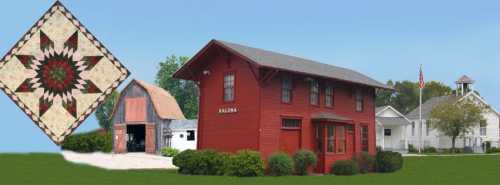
(366, 162)
(89, 142)
(303, 160)
(388, 161)
(345, 167)
(169, 152)
(245, 163)
(280, 164)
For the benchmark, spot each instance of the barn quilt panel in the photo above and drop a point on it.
(58, 73)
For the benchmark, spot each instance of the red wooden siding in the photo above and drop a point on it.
(135, 109)
(228, 131)
(119, 138)
(257, 123)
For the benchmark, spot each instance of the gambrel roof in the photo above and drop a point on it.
(163, 102)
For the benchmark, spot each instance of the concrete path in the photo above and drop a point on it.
(445, 155)
(120, 161)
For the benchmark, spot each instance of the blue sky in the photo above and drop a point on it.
(383, 39)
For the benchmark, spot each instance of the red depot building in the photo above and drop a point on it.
(261, 100)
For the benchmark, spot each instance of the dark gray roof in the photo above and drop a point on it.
(429, 105)
(465, 79)
(392, 121)
(329, 116)
(296, 64)
(183, 124)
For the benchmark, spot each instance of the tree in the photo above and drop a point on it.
(384, 97)
(185, 92)
(455, 119)
(435, 89)
(405, 98)
(104, 111)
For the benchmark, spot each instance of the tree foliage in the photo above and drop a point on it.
(185, 92)
(455, 119)
(104, 111)
(405, 98)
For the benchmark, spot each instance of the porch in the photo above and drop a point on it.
(334, 139)
(392, 134)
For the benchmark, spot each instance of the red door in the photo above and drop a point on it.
(290, 140)
(350, 141)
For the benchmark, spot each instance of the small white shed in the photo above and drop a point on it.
(184, 134)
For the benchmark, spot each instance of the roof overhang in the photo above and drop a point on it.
(330, 117)
(185, 72)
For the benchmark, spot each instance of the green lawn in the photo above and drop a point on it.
(52, 169)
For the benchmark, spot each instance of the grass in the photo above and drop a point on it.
(52, 169)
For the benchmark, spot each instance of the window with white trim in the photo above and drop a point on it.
(291, 123)
(329, 102)
(229, 87)
(413, 128)
(482, 131)
(314, 93)
(359, 100)
(286, 89)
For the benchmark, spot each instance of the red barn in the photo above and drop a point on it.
(261, 100)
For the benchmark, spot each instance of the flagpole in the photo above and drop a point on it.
(420, 121)
(421, 82)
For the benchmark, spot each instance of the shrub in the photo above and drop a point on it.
(493, 150)
(303, 160)
(346, 167)
(169, 152)
(245, 163)
(388, 161)
(280, 164)
(209, 162)
(487, 146)
(89, 142)
(412, 149)
(366, 162)
(468, 150)
(185, 161)
(430, 149)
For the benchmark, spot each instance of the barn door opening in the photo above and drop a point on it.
(136, 138)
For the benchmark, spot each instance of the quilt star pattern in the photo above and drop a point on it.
(58, 73)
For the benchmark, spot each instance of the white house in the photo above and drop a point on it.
(433, 138)
(391, 129)
(183, 134)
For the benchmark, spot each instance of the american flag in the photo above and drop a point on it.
(421, 82)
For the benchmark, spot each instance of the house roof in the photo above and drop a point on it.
(164, 103)
(378, 109)
(464, 79)
(392, 121)
(330, 117)
(264, 58)
(428, 105)
(183, 124)
(433, 102)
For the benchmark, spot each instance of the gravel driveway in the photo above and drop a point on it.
(120, 161)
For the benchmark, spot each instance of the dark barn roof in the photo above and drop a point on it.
(264, 58)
